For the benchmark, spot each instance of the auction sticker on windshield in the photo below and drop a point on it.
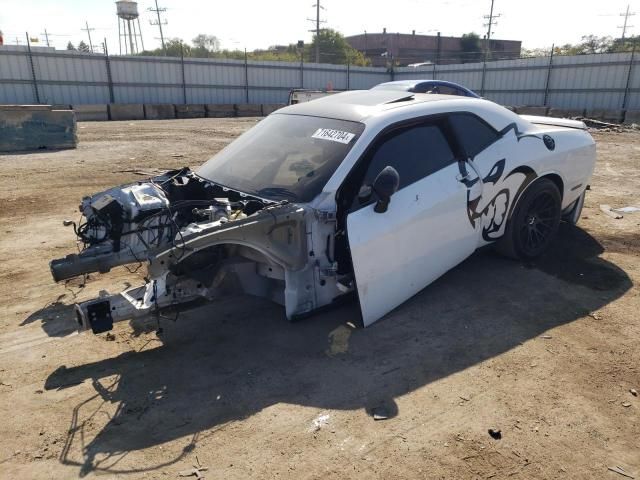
(333, 135)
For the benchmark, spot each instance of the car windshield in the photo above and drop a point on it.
(284, 157)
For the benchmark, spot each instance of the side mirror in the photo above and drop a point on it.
(385, 185)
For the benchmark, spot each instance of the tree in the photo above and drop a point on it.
(590, 44)
(334, 49)
(83, 47)
(471, 48)
(175, 47)
(626, 45)
(70, 46)
(205, 45)
(536, 52)
(289, 53)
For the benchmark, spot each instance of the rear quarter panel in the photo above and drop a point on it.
(573, 159)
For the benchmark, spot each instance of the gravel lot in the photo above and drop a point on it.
(547, 353)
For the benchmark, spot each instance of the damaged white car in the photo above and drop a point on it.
(373, 194)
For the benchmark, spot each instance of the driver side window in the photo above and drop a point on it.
(415, 152)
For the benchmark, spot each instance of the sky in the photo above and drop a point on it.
(259, 24)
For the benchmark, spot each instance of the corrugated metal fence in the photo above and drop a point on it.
(603, 81)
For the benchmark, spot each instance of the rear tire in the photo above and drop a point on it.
(534, 223)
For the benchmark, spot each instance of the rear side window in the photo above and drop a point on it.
(436, 88)
(415, 152)
(473, 134)
(446, 90)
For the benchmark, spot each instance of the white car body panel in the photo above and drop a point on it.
(558, 122)
(390, 261)
(423, 233)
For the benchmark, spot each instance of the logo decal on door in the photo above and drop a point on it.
(494, 205)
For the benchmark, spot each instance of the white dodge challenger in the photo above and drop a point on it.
(368, 194)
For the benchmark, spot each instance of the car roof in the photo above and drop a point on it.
(358, 105)
(402, 82)
(412, 83)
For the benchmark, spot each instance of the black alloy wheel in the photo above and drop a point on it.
(534, 223)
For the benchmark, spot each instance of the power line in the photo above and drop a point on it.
(159, 23)
(89, 30)
(626, 16)
(490, 23)
(317, 29)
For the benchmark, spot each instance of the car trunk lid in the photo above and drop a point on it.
(555, 122)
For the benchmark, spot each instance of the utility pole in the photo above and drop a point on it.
(490, 23)
(317, 29)
(46, 35)
(159, 23)
(89, 30)
(624, 27)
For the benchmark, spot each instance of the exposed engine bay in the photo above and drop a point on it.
(125, 224)
(201, 240)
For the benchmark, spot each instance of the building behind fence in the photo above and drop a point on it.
(601, 81)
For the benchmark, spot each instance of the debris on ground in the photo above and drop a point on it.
(319, 422)
(193, 472)
(601, 126)
(338, 341)
(110, 337)
(626, 404)
(196, 471)
(380, 413)
(607, 210)
(495, 433)
(633, 392)
(619, 470)
(627, 209)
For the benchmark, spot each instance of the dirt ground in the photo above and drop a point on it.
(547, 353)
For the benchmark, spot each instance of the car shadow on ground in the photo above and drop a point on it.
(228, 361)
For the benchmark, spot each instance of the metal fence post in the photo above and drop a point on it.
(109, 77)
(246, 77)
(301, 69)
(348, 76)
(433, 75)
(484, 74)
(625, 99)
(34, 80)
(547, 83)
(184, 83)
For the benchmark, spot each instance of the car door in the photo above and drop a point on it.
(425, 230)
(491, 155)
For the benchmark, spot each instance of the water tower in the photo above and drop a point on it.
(127, 19)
